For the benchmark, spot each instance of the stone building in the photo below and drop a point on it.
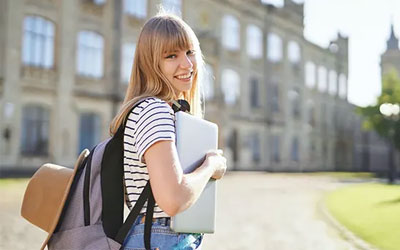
(390, 59)
(280, 101)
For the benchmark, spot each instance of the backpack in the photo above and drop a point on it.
(90, 214)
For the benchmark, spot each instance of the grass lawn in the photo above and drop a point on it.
(371, 211)
(345, 175)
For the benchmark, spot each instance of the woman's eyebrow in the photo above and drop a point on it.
(172, 51)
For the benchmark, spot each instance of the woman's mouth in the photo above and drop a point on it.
(185, 77)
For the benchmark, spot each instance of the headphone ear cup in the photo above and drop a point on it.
(181, 105)
(185, 106)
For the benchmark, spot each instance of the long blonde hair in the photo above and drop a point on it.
(162, 33)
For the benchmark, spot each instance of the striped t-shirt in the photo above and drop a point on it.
(150, 121)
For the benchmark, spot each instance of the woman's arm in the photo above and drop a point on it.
(173, 190)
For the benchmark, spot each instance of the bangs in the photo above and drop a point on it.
(175, 36)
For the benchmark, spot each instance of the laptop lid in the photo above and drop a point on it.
(194, 138)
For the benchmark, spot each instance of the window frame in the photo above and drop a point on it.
(35, 136)
(88, 52)
(230, 32)
(38, 42)
(230, 75)
(274, 44)
(254, 42)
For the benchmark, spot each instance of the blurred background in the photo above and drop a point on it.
(294, 85)
(277, 85)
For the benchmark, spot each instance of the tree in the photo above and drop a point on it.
(387, 127)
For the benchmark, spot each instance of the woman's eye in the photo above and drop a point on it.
(172, 56)
(190, 52)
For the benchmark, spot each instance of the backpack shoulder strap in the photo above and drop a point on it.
(112, 187)
(144, 196)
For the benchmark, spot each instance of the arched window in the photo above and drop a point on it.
(128, 54)
(89, 130)
(322, 79)
(230, 86)
(274, 51)
(254, 41)
(173, 6)
(294, 52)
(137, 8)
(90, 54)
(230, 32)
(342, 85)
(38, 42)
(310, 74)
(207, 82)
(35, 130)
(332, 82)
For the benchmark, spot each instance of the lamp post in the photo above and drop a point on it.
(391, 112)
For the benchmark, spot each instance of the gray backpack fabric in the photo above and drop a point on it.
(71, 232)
(92, 217)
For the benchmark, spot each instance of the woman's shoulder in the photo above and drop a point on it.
(149, 104)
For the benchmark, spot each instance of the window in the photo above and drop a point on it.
(274, 51)
(254, 41)
(230, 32)
(254, 93)
(207, 82)
(90, 54)
(230, 86)
(275, 145)
(332, 82)
(322, 79)
(342, 86)
(137, 8)
(294, 98)
(232, 143)
(128, 54)
(294, 54)
(89, 131)
(35, 130)
(173, 6)
(38, 42)
(310, 113)
(310, 74)
(295, 149)
(255, 148)
(273, 97)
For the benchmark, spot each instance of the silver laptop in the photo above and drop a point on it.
(194, 138)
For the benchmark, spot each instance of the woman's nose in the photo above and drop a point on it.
(186, 62)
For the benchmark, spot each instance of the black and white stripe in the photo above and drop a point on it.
(149, 122)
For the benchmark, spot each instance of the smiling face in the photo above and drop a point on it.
(179, 67)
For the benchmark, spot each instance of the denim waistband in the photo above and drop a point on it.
(164, 221)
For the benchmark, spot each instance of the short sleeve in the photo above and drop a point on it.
(155, 123)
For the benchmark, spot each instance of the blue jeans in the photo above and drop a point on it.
(162, 237)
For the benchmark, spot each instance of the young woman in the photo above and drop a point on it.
(167, 64)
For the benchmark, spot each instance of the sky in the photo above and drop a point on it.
(367, 24)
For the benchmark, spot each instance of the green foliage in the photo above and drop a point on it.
(374, 120)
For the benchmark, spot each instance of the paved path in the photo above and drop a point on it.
(255, 211)
(273, 212)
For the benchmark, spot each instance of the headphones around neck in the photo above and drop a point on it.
(180, 105)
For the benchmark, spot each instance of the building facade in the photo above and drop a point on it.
(280, 101)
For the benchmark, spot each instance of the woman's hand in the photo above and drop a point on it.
(215, 159)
